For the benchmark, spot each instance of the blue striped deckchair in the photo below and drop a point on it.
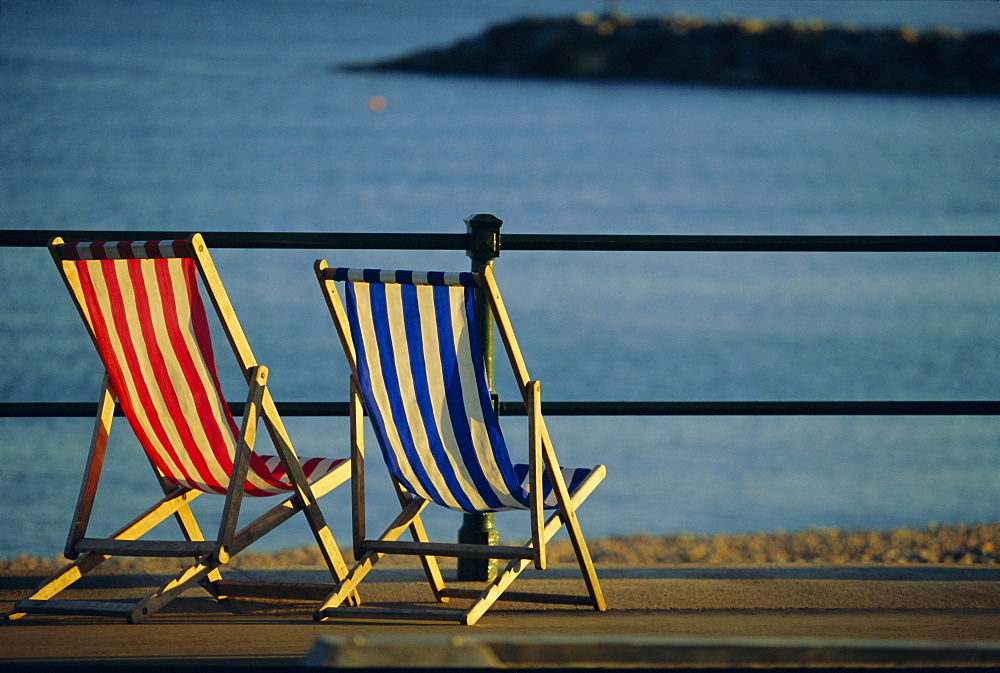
(417, 370)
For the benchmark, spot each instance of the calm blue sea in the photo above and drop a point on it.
(224, 115)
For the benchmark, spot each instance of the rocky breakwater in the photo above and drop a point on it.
(738, 52)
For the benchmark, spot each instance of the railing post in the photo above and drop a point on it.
(484, 247)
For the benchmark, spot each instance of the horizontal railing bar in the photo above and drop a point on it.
(748, 243)
(538, 242)
(243, 239)
(775, 408)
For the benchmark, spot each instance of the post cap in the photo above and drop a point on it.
(484, 236)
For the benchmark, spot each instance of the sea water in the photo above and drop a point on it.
(211, 116)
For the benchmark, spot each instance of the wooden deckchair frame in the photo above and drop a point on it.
(88, 553)
(542, 459)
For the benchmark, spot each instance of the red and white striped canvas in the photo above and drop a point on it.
(151, 330)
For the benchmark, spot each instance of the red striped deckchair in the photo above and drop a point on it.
(143, 309)
(418, 372)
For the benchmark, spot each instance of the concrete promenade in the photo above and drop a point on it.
(684, 616)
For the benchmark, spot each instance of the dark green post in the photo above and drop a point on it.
(484, 247)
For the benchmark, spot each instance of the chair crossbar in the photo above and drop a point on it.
(164, 548)
(428, 614)
(522, 597)
(62, 607)
(463, 278)
(272, 590)
(125, 250)
(447, 549)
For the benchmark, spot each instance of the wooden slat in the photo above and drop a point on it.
(95, 463)
(568, 511)
(297, 478)
(496, 588)
(403, 519)
(148, 520)
(274, 590)
(368, 560)
(505, 578)
(506, 331)
(348, 586)
(223, 307)
(536, 470)
(523, 597)
(566, 505)
(241, 464)
(431, 614)
(419, 534)
(100, 608)
(357, 439)
(62, 579)
(338, 314)
(185, 519)
(144, 547)
(152, 603)
(448, 549)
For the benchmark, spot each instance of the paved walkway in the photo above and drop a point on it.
(679, 615)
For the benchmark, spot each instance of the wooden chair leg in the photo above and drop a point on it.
(419, 534)
(357, 436)
(583, 555)
(190, 530)
(307, 500)
(347, 586)
(66, 575)
(567, 508)
(494, 591)
(241, 463)
(192, 533)
(153, 602)
(368, 560)
(536, 469)
(86, 562)
(95, 463)
(556, 521)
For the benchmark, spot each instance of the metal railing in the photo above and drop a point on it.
(27, 238)
(482, 242)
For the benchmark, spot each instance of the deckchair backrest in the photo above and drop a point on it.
(422, 377)
(143, 308)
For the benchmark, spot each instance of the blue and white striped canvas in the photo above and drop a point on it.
(423, 381)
